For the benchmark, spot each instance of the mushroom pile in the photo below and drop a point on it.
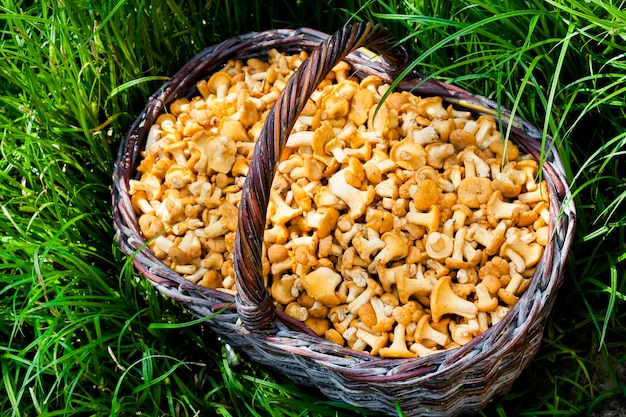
(397, 228)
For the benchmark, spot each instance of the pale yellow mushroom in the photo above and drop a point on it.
(171, 210)
(474, 191)
(422, 351)
(498, 314)
(178, 176)
(408, 287)
(371, 83)
(423, 331)
(280, 211)
(503, 182)
(150, 184)
(505, 150)
(379, 120)
(178, 106)
(531, 253)
(150, 225)
(219, 83)
(296, 311)
(423, 136)
(408, 154)
(484, 300)
(538, 195)
(356, 199)
(463, 333)
(384, 319)
(398, 348)
(444, 301)
(458, 260)
(386, 275)
(508, 294)
(498, 209)
(321, 284)
(430, 220)
(374, 341)
(395, 248)
(373, 289)
(223, 220)
(334, 336)
(351, 337)
(436, 153)
(140, 203)
(439, 246)
(360, 106)
(530, 167)
(319, 325)
(462, 139)
(388, 187)
(276, 234)
(454, 175)
(340, 317)
(367, 315)
(433, 107)
(543, 235)
(233, 130)
(425, 194)
(324, 220)
(334, 107)
(486, 132)
(366, 246)
(460, 214)
(190, 244)
(474, 164)
(491, 239)
(215, 152)
(443, 128)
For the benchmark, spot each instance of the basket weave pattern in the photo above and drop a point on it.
(450, 382)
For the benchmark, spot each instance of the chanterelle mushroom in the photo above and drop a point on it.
(219, 83)
(398, 349)
(321, 285)
(439, 246)
(358, 200)
(444, 301)
(217, 152)
(408, 154)
(474, 191)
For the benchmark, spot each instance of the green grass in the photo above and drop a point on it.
(82, 334)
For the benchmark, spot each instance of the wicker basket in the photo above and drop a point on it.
(451, 382)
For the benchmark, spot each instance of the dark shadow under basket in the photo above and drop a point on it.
(451, 382)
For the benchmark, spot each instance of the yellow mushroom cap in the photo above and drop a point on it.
(408, 154)
(321, 284)
(474, 191)
(444, 301)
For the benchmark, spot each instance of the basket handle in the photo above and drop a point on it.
(254, 304)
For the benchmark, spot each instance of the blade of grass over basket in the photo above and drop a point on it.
(135, 82)
(160, 326)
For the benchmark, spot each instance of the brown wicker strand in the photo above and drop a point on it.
(254, 303)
